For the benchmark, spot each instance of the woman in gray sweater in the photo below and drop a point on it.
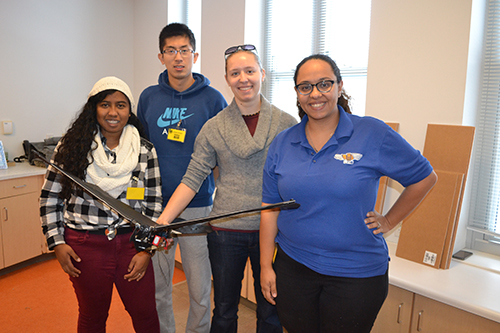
(236, 141)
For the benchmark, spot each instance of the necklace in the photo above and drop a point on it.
(250, 115)
(310, 139)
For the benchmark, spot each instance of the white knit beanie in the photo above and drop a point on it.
(112, 82)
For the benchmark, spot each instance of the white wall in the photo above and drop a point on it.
(222, 26)
(419, 64)
(149, 19)
(52, 52)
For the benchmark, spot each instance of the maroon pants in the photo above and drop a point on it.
(103, 264)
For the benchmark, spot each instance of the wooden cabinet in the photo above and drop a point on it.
(404, 311)
(2, 262)
(20, 230)
(395, 314)
(430, 316)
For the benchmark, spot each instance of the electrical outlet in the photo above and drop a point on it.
(7, 127)
(430, 258)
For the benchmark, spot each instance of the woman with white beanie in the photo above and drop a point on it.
(105, 147)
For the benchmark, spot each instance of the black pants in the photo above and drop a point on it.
(309, 302)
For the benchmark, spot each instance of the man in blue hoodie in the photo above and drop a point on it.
(173, 113)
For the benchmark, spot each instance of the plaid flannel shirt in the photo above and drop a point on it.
(87, 213)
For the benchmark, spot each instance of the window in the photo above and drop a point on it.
(484, 212)
(296, 29)
(189, 13)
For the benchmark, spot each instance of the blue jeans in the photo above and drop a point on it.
(228, 253)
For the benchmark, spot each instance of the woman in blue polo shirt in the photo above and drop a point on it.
(330, 271)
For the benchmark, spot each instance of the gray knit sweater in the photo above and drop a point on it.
(226, 142)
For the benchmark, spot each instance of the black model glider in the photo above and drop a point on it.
(149, 235)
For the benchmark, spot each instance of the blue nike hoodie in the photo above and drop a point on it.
(160, 108)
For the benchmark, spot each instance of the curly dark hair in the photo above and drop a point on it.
(344, 99)
(72, 153)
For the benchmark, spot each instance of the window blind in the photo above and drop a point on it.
(485, 193)
(295, 29)
(289, 37)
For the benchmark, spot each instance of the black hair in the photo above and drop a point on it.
(174, 30)
(344, 99)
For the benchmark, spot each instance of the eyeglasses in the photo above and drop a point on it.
(234, 49)
(173, 52)
(322, 86)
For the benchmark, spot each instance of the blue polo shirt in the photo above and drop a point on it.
(336, 187)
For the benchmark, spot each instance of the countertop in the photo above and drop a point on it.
(472, 285)
(21, 170)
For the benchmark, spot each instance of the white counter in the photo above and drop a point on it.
(465, 285)
(21, 170)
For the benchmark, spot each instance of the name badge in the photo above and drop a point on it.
(177, 134)
(135, 193)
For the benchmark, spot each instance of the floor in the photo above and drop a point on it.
(246, 313)
(38, 297)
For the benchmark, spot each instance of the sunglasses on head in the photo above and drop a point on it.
(234, 49)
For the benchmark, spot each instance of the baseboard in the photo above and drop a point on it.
(26, 263)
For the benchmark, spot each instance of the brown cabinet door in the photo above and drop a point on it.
(2, 263)
(430, 316)
(395, 315)
(20, 228)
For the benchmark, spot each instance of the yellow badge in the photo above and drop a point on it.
(176, 134)
(135, 193)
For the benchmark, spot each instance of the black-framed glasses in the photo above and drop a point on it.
(322, 86)
(234, 49)
(173, 52)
